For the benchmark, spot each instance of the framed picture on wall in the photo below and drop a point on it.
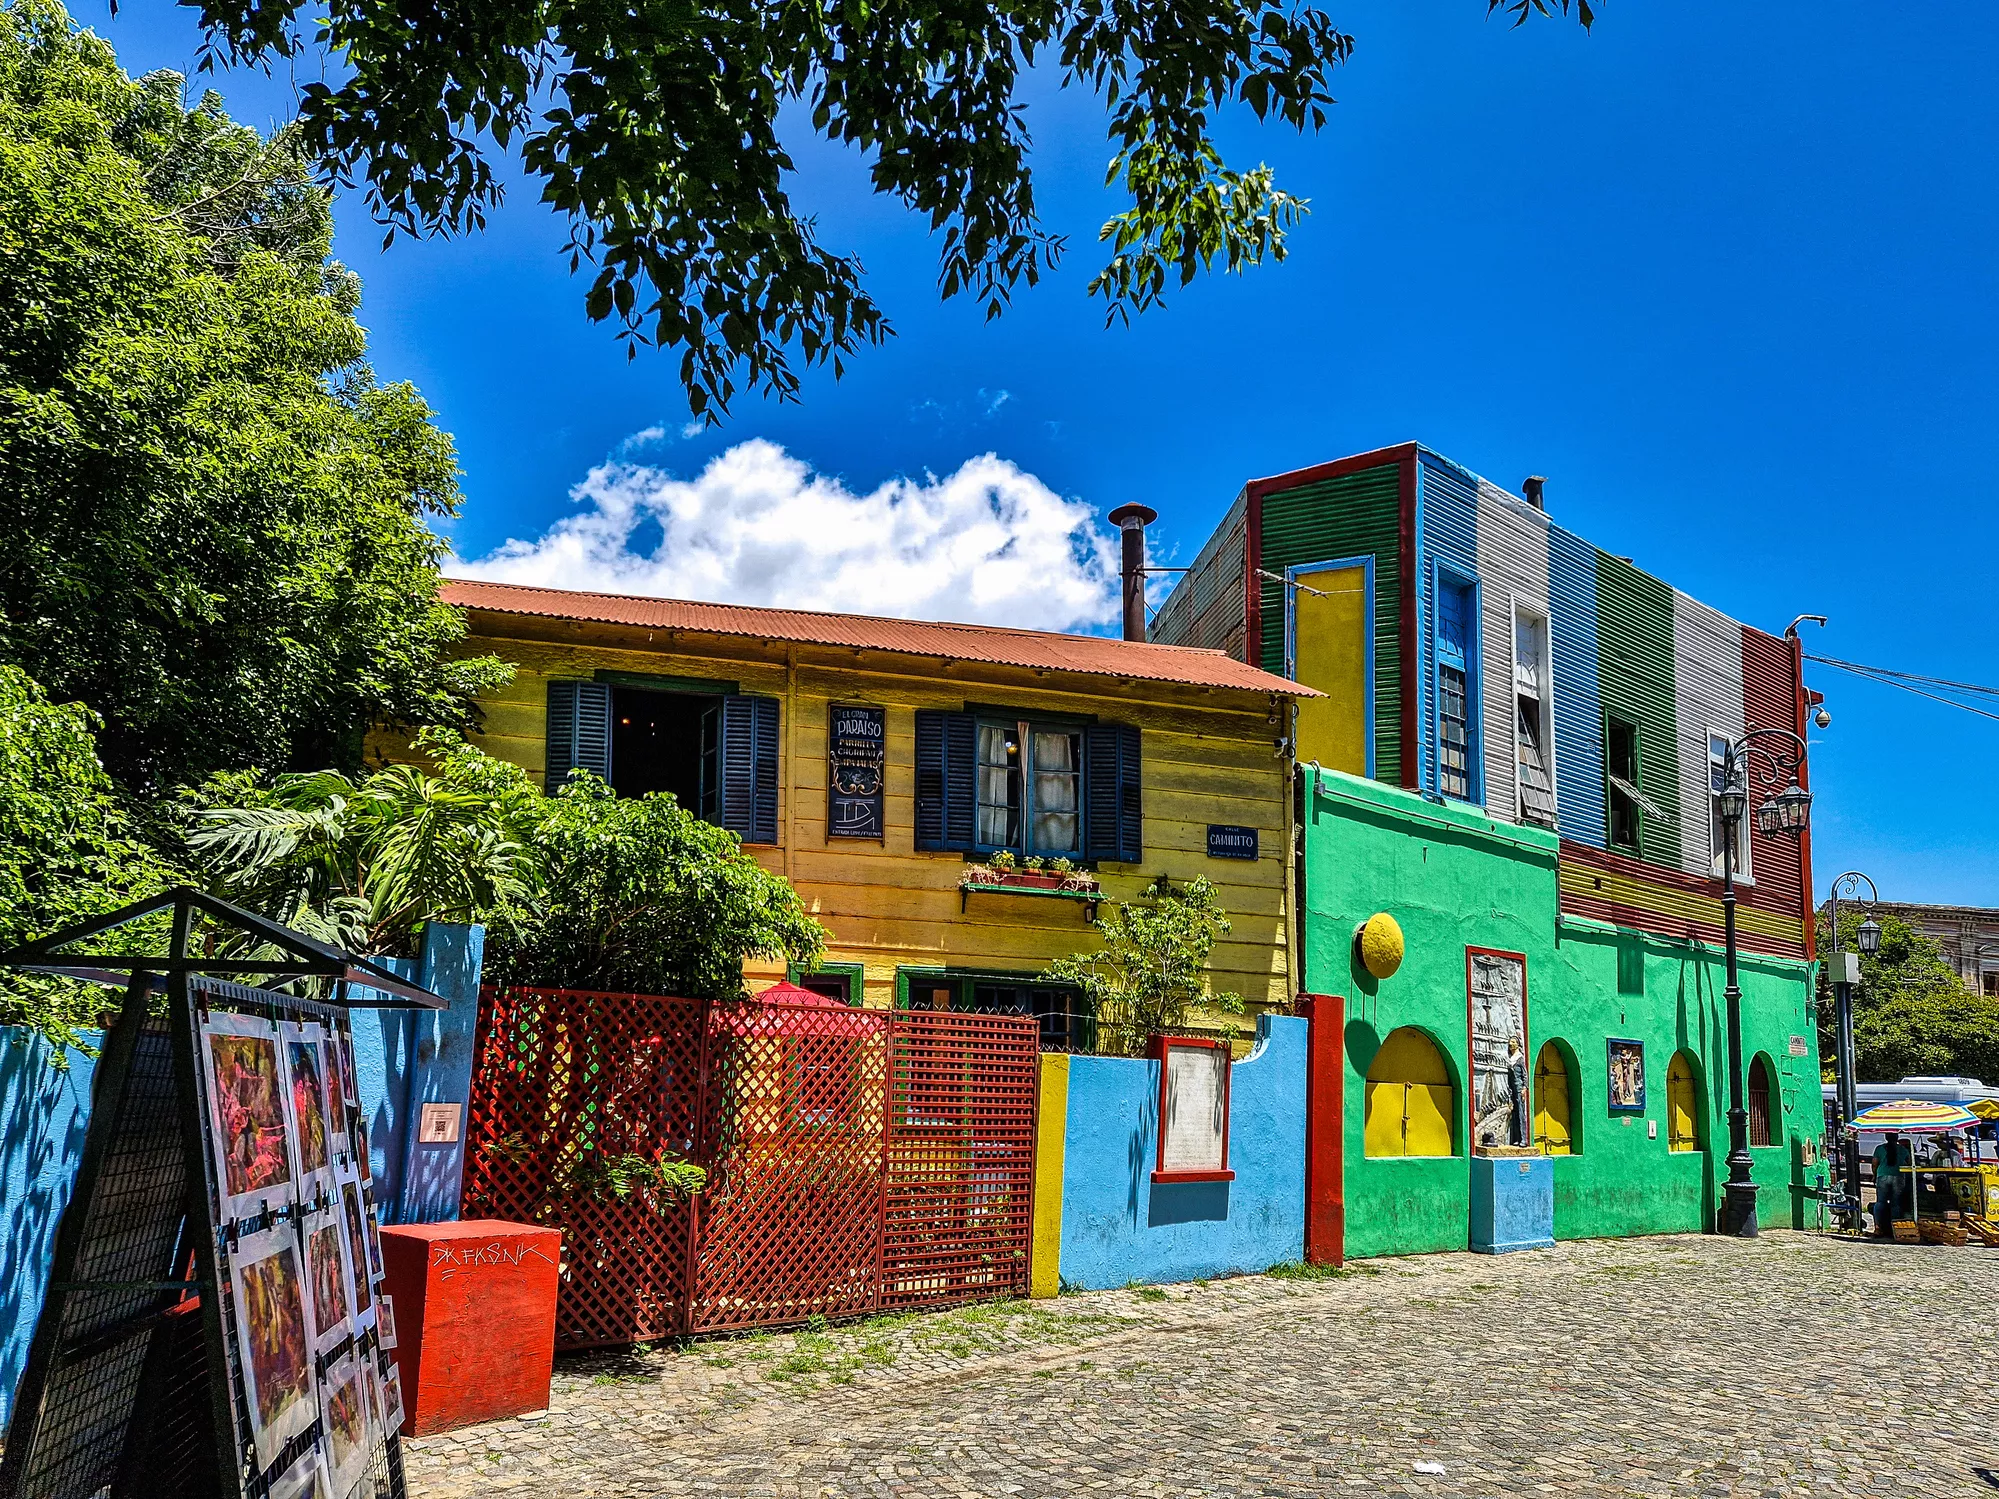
(1627, 1076)
(1193, 1110)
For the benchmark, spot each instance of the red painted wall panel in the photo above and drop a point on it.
(1325, 1125)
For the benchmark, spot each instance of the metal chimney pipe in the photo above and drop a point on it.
(1531, 487)
(1132, 521)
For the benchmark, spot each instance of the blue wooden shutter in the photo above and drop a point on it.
(579, 731)
(946, 779)
(747, 752)
(1113, 809)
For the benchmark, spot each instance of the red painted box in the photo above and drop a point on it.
(475, 1319)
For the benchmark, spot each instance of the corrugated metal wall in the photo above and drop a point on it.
(1769, 701)
(1634, 639)
(1206, 607)
(1707, 674)
(1578, 701)
(1447, 532)
(1513, 561)
(1352, 516)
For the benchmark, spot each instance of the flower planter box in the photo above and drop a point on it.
(1038, 882)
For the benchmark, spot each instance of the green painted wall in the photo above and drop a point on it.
(1454, 879)
(1355, 515)
(1635, 673)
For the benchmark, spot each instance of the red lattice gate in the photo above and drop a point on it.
(856, 1159)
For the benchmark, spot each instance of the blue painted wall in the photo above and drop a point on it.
(43, 1114)
(404, 1059)
(1120, 1226)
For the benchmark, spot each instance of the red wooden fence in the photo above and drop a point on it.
(857, 1159)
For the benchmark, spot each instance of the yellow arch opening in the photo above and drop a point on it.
(1553, 1108)
(1410, 1101)
(1683, 1099)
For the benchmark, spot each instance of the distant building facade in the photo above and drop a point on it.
(1968, 935)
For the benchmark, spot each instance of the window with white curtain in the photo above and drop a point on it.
(1031, 788)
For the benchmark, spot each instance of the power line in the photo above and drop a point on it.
(1906, 682)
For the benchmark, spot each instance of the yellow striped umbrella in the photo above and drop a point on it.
(1913, 1118)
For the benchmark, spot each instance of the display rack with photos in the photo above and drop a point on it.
(227, 1355)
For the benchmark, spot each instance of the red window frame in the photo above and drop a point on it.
(1159, 1051)
(1526, 1042)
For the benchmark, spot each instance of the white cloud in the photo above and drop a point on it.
(987, 544)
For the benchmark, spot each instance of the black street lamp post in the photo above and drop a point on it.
(1847, 887)
(1772, 758)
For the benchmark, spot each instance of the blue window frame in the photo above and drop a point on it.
(1455, 688)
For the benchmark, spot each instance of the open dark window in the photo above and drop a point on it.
(1621, 793)
(1759, 1102)
(657, 743)
(716, 753)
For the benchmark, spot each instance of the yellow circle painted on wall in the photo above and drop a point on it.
(1379, 940)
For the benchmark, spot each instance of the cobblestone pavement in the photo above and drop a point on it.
(1793, 1365)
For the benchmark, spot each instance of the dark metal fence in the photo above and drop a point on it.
(856, 1159)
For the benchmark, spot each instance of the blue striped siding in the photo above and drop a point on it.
(1447, 511)
(1578, 697)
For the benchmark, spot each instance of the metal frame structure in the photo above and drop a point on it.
(132, 1385)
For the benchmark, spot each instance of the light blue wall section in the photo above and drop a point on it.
(43, 1113)
(1118, 1225)
(404, 1059)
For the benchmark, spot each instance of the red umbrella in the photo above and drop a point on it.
(784, 992)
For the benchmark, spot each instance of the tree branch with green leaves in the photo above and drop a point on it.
(657, 128)
(1150, 976)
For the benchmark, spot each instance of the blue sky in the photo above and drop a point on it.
(1724, 273)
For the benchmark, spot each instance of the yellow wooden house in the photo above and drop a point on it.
(874, 762)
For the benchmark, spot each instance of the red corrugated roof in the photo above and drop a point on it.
(1042, 650)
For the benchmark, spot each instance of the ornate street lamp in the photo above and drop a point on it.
(1760, 758)
(1868, 937)
(1870, 929)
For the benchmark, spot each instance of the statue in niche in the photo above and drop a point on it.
(1498, 1000)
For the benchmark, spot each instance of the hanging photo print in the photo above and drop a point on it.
(272, 1338)
(246, 1085)
(385, 1321)
(340, 1139)
(326, 1272)
(373, 1229)
(303, 1481)
(344, 1039)
(363, 1165)
(305, 1093)
(392, 1399)
(349, 1427)
(355, 1219)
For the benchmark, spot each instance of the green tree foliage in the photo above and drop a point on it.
(583, 890)
(639, 894)
(1151, 974)
(215, 515)
(68, 851)
(655, 126)
(1912, 1014)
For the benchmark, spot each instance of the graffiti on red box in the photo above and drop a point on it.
(504, 1254)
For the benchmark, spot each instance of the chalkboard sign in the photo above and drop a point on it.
(1231, 842)
(854, 754)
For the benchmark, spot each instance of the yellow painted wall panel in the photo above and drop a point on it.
(1331, 655)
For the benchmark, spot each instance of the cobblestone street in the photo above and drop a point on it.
(1669, 1366)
